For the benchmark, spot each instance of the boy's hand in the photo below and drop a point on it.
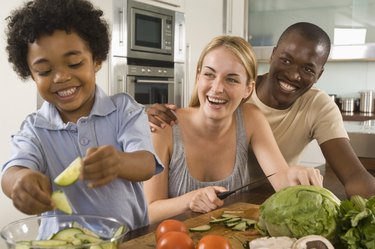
(159, 115)
(31, 192)
(100, 166)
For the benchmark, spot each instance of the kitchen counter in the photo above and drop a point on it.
(362, 139)
(256, 196)
(357, 116)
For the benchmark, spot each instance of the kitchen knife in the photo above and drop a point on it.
(225, 194)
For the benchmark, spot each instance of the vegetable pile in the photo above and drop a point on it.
(299, 211)
(357, 222)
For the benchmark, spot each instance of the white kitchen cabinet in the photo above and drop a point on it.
(312, 155)
(205, 20)
(177, 5)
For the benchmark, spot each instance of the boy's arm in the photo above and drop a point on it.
(29, 190)
(103, 164)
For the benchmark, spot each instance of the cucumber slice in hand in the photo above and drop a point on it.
(61, 201)
(70, 174)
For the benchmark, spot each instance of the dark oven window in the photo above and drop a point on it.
(151, 93)
(147, 31)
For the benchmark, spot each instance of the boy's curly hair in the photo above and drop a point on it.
(42, 17)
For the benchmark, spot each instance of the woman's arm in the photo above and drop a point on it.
(269, 156)
(156, 189)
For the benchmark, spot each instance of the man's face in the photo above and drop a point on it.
(296, 64)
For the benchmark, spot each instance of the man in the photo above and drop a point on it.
(298, 112)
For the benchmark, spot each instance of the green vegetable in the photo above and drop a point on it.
(357, 222)
(299, 211)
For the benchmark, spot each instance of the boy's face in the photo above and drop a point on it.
(63, 69)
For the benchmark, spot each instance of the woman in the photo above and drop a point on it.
(206, 152)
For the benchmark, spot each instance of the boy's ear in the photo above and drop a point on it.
(97, 65)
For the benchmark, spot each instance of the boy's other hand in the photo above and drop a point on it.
(31, 193)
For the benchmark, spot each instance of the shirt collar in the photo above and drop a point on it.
(48, 116)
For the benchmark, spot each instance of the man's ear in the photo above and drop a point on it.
(320, 74)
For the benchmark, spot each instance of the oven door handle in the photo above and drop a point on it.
(155, 81)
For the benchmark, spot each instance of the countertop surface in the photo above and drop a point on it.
(362, 127)
(255, 196)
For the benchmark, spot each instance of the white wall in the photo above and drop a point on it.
(19, 99)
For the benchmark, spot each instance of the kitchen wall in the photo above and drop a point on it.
(19, 98)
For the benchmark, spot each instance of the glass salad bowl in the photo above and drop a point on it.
(64, 232)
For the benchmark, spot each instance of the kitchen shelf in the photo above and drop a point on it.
(357, 116)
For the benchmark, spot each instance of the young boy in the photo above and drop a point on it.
(61, 44)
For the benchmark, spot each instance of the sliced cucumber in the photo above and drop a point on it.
(232, 224)
(202, 228)
(70, 175)
(249, 222)
(234, 219)
(84, 229)
(226, 215)
(61, 201)
(240, 226)
(67, 234)
(23, 245)
(49, 243)
(87, 239)
(219, 220)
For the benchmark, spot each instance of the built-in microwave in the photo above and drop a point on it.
(150, 31)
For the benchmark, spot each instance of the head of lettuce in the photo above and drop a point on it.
(299, 211)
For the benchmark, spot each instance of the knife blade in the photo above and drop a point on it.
(225, 194)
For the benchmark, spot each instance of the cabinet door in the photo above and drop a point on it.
(177, 5)
(349, 24)
(119, 30)
(205, 20)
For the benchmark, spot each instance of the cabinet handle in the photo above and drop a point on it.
(227, 16)
(121, 26)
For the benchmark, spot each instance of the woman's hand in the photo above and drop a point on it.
(205, 199)
(301, 175)
(161, 114)
(31, 191)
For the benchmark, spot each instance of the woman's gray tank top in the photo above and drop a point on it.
(180, 180)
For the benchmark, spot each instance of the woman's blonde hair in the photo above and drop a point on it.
(239, 47)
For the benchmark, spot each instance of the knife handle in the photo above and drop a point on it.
(225, 194)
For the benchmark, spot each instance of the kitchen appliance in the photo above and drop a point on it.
(366, 102)
(144, 62)
(142, 31)
(347, 104)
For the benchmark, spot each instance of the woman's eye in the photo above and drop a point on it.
(231, 80)
(209, 75)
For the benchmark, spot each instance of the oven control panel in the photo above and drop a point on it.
(138, 70)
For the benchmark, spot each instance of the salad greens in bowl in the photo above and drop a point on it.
(64, 232)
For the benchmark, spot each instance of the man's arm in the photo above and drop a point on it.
(346, 165)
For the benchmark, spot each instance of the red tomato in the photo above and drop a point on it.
(213, 242)
(168, 226)
(175, 240)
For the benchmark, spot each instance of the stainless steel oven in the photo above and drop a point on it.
(143, 31)
(148, 52)
(147, 83)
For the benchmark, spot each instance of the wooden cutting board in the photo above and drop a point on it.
(250, 211)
